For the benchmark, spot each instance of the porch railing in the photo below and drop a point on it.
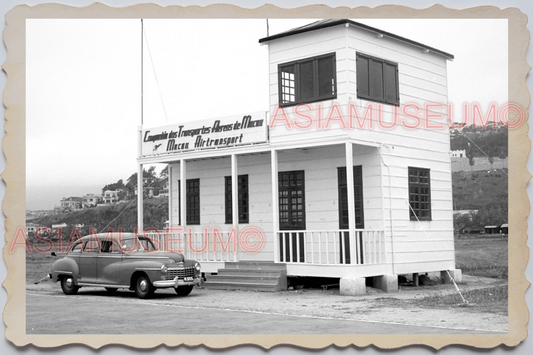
(332, 247)
(200, 246)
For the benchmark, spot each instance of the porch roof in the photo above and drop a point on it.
(253, 149)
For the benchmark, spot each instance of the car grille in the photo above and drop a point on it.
(181, 273)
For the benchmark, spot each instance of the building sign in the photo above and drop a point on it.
(205, 134)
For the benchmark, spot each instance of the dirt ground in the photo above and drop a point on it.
(375, 306)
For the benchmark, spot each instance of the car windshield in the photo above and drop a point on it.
(140, 244)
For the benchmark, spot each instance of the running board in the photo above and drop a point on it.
(102, 285)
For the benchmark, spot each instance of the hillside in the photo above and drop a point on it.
(484, 192)
(155, 215)
(484, 143)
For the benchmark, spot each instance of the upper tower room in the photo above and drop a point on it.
(346, 61)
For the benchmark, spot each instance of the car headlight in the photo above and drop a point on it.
(164, 269)
(197, 267)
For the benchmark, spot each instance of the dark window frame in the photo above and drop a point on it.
(288, 181)
(377, 71)
(192, 189)
(286, 83)
(243, 199)
(419, 194)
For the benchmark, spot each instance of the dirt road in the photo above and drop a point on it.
(379, 313)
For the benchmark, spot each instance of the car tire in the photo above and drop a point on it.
(111, 290)
(143, 287)
(67, 285)
(183, 290)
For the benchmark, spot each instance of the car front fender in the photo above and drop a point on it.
(65, 266)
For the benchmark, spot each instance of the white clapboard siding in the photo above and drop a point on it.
(384, 153)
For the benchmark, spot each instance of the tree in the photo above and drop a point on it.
(163, 175)
(149, 178)
(470, 156)
(113, 187)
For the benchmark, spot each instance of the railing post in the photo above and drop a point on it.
(312, 247)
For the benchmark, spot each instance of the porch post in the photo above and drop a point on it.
(140, 214)
(183, 200)
(234, 198)
(351, 204)
(275, 202)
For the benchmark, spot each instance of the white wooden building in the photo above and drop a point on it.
(278, 179)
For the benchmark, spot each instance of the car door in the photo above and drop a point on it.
(108, 265)
(88, 258)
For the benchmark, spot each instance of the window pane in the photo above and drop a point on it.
(291, 201)
(376, 80)
(326, 78)
(362, 77)
(419, 194)
(287, 75)
(389, 76)
(307, 83)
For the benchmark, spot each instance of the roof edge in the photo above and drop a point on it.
(356, 24)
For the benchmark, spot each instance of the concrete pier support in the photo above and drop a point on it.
(352, 286)
(455, 273)
(387, 283)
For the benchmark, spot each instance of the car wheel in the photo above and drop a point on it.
(111, 290)
(143, 287)
(183, 290)
(67, 285)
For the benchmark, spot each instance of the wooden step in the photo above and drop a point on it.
(258, 265)
(249, 275)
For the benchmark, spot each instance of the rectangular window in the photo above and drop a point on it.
(193, 201)
(358, 197)
(242, 182)
(419, 194)
(307, 80)
(179, 202)
(377, 80)
(291, 200)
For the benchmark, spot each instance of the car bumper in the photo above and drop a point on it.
(176, 283)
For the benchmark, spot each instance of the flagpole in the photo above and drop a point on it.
(142, 73)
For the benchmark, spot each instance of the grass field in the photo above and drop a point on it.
(482, 191)
(482, 256)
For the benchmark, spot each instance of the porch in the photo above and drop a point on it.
(333, 253)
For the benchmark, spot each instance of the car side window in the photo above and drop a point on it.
(91, 246)
(106, 246)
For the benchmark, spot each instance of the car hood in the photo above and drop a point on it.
(177, 257)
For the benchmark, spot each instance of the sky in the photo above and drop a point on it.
(83, 85)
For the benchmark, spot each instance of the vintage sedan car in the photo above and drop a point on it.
(124, 260)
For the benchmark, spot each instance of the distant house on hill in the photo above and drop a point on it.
(72, 203)
(458, 153)
(164, 189)
(31, 228)
(110, 197)
(90, 200)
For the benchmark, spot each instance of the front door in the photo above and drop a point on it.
(343, 211)
(292, 215)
